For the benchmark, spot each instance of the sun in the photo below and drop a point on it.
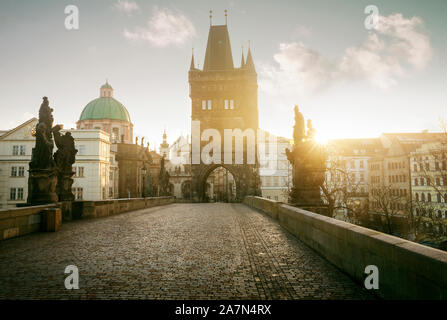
(322, 138)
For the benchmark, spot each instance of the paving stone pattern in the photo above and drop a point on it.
(179, 251)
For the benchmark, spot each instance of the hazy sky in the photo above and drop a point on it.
(351, 81)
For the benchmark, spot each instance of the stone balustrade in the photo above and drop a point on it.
(20, 221)
(407, 270)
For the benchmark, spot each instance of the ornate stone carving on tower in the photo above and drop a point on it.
(308, 166)
(224, 97)
(43, 173)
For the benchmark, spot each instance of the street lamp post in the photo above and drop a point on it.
(143, 172)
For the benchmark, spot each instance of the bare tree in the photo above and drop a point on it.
(339, 189)
(389, 204)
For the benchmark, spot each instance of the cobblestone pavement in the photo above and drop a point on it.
(179, 251)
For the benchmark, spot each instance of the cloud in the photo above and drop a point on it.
(164, 28)
(398, 46)
(300, 69)
(126, 6)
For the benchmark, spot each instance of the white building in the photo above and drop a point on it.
(428, 165)
(95, 169)
(348, 167)
(275, 171)
(15, 154)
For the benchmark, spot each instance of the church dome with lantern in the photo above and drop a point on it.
(107, 114)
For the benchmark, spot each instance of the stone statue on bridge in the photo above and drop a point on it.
(308, 166)
(43, 174)
(163, 178)
(64, 157)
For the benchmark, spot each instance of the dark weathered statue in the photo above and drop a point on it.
(42, 154)
(163, 179)
(299, 129)
(42, 174)
(64, 157)
(308, 166)
(310, 130)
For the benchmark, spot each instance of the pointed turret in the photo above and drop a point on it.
(242, 59)
(192, 66)
(249, 64)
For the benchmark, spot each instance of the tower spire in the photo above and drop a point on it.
(242, 58)
(211, 18)
(192, 66)
(226, 17)
(249, 64)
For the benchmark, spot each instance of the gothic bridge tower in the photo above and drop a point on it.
(224, 97)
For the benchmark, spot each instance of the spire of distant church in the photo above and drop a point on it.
(242, 58)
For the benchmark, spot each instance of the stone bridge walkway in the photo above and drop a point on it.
(180, 251)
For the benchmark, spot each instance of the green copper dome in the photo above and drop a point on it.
(105, 108)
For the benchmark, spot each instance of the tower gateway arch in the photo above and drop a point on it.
(224, 101)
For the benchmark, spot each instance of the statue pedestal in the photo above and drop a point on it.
(42, 186)
(52, 219)
(64, 187)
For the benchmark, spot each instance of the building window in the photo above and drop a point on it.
(13, 171)
(423, 197)
(439, 197)
(361, 164)
(416, 195)
(226, 104)
(22, 150)
(110, 192)
(429, 197)
(80, 172)
(12, 194)
(415, 168)
(231, 104)
(203, 104)
(21, 171)
(115, 134)
(210, 104)
(19, 193)
(81, 150)
(79, 194)
(15, 150)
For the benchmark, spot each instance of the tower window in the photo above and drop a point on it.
(203, 104)
(210, 104)
(229, 104)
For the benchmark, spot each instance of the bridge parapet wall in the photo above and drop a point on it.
(20, 221)
(104, 208)
(407, 270)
